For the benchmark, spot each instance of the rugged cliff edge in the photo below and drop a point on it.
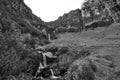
(16, 11)
(69, 22)
(19, 36)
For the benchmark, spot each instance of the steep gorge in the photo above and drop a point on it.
(74, 56)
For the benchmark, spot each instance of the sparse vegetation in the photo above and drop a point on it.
(82, 55)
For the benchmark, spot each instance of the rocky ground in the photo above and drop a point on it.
(26, 53)
(92, 55)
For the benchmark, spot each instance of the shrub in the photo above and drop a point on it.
(81, 70)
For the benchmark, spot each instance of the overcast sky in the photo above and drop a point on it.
(49, 10)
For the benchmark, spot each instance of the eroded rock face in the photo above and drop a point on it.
(18, 37)
(71, 21)
(98, 9)
(16, 15)
(17, 9)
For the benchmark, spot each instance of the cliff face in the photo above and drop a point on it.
(18, 13)
(94, 13)
(73, 19)
(101, 10)
(16, 10)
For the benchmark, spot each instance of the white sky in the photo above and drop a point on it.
(49, 10)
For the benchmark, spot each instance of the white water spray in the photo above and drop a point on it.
(44, 60)
(53, 76)
(44, 64)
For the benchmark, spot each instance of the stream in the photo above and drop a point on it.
(45, 71)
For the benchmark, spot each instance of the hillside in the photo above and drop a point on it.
(95, 50)
(80, 45)
(94, 13)
(69, 22)
(19, 36)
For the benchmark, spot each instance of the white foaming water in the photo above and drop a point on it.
(53, 76)
(44, 60)
(41, 66)
(44, 63)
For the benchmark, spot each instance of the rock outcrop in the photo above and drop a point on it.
(23, 34)
(16, 11)
(69, 22)
(94, 10)
(19, 36)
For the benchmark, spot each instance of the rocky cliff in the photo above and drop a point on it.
(101, 10)
(19, 36)
(91, 55)
(94, 13)
(17, 12)
(71, 21)
(17, 9)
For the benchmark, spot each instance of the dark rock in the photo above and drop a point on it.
(100, 9)
(52, 49)
(36, 58)
(83, 53)
(45, 73)
(61, 30)
(63, 50)
(51, 60)
(72, 29)
(81, 69)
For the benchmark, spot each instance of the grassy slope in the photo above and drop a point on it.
(102, 42)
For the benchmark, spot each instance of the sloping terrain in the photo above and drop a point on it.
(69, 22)
(103, 46)
(85, 54)
(18, 38)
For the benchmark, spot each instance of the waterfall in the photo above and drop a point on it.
(49, 38)
(41, 66)
(44, 63)
(52, 74)
(44, 60)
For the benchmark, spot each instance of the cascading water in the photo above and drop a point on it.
(43, 64)
(52, 74)
(44, 60)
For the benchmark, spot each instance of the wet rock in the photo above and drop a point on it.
(51, 60)
(45, 73)
(53, 49)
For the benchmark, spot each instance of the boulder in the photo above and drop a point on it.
(52, 49)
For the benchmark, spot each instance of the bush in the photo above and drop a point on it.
(81, 70)
(11, 56)
(14, 57)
